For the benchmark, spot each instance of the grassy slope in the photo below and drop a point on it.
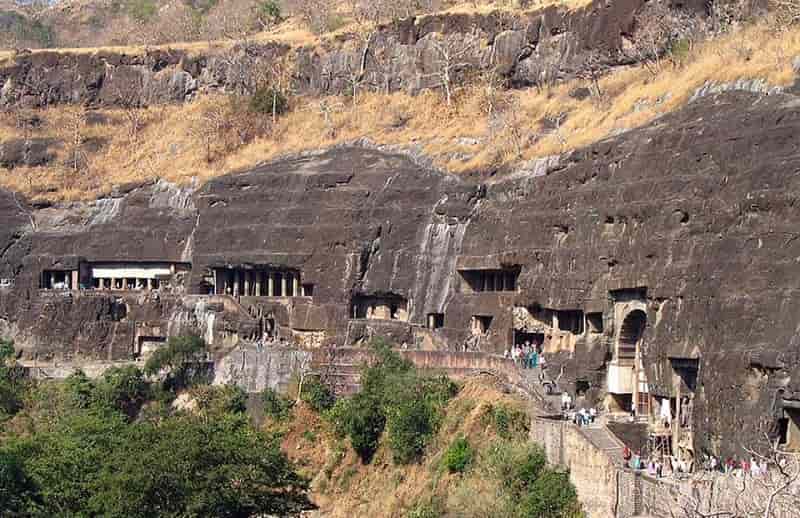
(460, 138)
(343, 487)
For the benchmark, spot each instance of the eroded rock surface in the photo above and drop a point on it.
(680, 236)
(528, 48)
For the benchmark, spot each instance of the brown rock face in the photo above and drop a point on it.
(528, 48)
(677, 240)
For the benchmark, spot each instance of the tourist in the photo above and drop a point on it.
(755, 469)
(542, 361)
(592, 414)
(507, 353)
(564, 401)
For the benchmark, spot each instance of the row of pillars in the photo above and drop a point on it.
(130, 283)
(253, 283)
(497, 281)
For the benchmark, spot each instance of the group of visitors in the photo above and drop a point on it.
(738, 468)
(528, 355)
(582, 417)
(585, 417)
(633, 460)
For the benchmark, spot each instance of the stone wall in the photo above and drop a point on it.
(591, 471)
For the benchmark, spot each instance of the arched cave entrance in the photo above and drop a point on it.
(630, 333)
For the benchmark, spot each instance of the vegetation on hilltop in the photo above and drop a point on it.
(486, 128)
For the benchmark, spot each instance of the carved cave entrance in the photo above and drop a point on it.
(535, 339)
(630, 333)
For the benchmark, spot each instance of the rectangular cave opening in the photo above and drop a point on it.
(526, 338)
(686, 369)
(594, 321)
(490, 280)
(792, 425)
(620, 403)
(259, 281)
(570, 321)
(628, 294)
(379, 307)
(57, 279)
(435, 320)
(134, 275)
(480, 324)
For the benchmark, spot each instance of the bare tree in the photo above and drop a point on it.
(452, 61)
(651, 37)
(73, 130)
(769, 494)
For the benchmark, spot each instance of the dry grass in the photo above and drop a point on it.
(461, 138)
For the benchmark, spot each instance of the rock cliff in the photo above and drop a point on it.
(678, 239)
(529, 48)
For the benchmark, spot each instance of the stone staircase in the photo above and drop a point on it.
(602, 439)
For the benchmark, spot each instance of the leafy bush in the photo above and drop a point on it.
(79, 390)
(276, 406)
(361, 419)
(179, 358)
(220, 400)
(124, 388)
(458, 456)
(550, 495)
(533, 488)
(11, 384)
(396, 397)
(268, 12)
(268, 100)
(316, 394)
(508, 422)
(430, 509)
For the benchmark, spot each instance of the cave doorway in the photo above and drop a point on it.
(792, 433)
(630, 333)
(535, 339)
(620, 403)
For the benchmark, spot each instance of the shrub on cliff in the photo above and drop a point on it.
(316, 394)
(268, 100)
(178, 360)
(124, 388)
(11, 384)
(277, 406)
(458, 455)
(397, 398)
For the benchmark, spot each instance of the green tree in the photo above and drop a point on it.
(179, 358)
(10, 383)
(18, 493)
(551, 496)
(395, 397)
(316, 394)
(276, 405)
(124, 389)
(192, 467)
